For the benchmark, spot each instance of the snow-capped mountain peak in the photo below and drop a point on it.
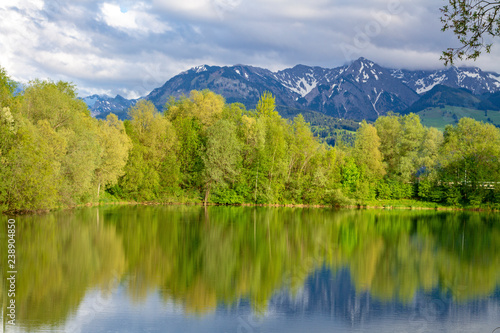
(102, 105)
(471, 78)
(359, 90)
(301, 79)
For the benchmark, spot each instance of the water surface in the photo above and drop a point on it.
(246, 269)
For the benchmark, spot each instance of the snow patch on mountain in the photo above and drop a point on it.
(199, 69)
(471, 78)
(424, 87)
(91, 100)
(495, 79)
(303, 86)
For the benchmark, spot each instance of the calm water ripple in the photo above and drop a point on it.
(246, 269)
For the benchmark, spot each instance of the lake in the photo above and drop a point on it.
(254, 269)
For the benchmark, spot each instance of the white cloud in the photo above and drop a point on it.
(134, 19)
(194, 8)
(130, 48)
(23, 4)
(114, 17)
(19, 36)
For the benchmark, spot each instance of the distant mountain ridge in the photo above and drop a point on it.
(102, 105)
(360, 90)
(470, 78)
(440, 96)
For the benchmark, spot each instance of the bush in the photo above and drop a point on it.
(453, 196)
(429, 191)
(394, 190)
(384, 191)
(477, 197)
(401, 190)
(337, 198)
(226, 196)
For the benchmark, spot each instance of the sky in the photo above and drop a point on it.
(131, 47)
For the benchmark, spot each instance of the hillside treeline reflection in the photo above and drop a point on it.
(201, 258)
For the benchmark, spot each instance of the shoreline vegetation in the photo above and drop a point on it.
(383, 205)
(201, 150)
(405, 204)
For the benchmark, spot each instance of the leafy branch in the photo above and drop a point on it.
(471, 21)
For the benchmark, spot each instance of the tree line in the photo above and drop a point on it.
(202, 149)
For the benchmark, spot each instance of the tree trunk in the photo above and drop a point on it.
(256, 182)
(207, 194)
(98, 190)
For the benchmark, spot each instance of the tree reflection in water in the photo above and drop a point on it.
(201, 259)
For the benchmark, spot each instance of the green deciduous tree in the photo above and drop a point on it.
(221, 157)
(115, 147)
(401, 139)
(8, 129)
(190, 117)
(350, 176)
(32, 167)
(151, 169)
(369, 159)
(429, 150)
(204, 105)
(252, 134)
(266, 105)
(7, 90)
(389, 130)
(367, 153)
(70, 118)
(274, 154)
(470, 157)
(51, 148)
(302, 149)
(429, 187)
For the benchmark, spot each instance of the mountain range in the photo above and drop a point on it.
(359, 90)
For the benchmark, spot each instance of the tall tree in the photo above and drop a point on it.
(273, 157)
(266, 105)
(221, 156)
(302, 149)
(401, 138)
(151, 168)
(252, 132)
(390, 131)
(191, 116)
(367, 152)
(115, 146)
(204, 105)
(409, 145)
(470, 157)
(32, 167)
(56, 104)
(7, 90)
(8, 131)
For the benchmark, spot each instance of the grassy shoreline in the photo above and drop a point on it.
(404, 204)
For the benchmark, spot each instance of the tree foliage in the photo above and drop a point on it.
(472, 22)
(152, 167)
(115, 146)
(469, 164)
(221, 157)
(52, 152)
(201, 149)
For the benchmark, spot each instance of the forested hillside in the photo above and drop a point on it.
(201, 149)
